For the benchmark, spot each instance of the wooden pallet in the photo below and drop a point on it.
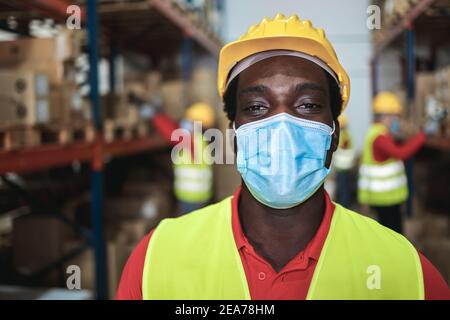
(119, 130)
(65, 134)
(28, 136)
(17, 137)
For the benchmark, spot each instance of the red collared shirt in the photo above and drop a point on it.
(292, 282)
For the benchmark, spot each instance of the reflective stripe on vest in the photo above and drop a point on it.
(380, 183)
(193, 181)
(195, 257)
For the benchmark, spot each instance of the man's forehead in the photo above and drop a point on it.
(283, 65)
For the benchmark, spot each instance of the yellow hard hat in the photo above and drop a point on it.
(342, 120)
(387, 102)
(201, 112)
(282, 33)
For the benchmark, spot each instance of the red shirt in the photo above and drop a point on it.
(384, 147)
(292, 282)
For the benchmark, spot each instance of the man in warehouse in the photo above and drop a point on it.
(343, 161)
(193, 173)
(382, 182)
(279, 236)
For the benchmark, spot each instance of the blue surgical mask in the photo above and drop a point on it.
(395, 126)
(282, 158)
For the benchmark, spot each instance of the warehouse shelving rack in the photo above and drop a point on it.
(415, 22)
(166, 27)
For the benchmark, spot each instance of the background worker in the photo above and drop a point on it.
(343, 162)
(193, 172)
(279, 236)
(382, 182)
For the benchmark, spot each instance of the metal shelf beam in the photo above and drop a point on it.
(54, 155)
(183, 22)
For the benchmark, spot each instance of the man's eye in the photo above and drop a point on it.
(256, 107)
(256, 110)
(309, 106)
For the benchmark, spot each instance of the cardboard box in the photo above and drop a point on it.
(203, 86)
(37, 241)
(41, 55)
(65, 45)
(16, 52)
(25, 98)
(152, 82)
(117, 108)
(148, 207)
(66, 104)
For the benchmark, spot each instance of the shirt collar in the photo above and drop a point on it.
(313, 248)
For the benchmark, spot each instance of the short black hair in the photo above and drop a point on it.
(230, 97)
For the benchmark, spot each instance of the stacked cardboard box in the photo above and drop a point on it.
(43, 65)
(47, 55)
(203, 86)
(24, 98)
(36, 242)
(173, 99)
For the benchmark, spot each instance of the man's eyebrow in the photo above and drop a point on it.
(255, 89)
(309, 86)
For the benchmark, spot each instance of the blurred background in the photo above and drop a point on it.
(90, 92)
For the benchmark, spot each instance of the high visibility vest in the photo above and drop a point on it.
(380, 183)
(195, 257)
(193, 180)
(343, 158)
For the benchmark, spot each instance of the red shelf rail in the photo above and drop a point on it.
(49, 156)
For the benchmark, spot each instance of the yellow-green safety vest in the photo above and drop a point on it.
(344, 158)
(195, 257)
(380, 183)
(193, 181)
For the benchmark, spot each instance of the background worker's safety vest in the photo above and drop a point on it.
(344, 157)
(380, 183)
(193, 180)
(195, 257)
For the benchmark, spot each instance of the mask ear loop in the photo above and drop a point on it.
(334, 128)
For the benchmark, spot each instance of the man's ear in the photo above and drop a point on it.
(334, 143)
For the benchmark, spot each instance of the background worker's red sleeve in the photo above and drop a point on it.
(130, 286)
(384, 147)
(165, 126)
